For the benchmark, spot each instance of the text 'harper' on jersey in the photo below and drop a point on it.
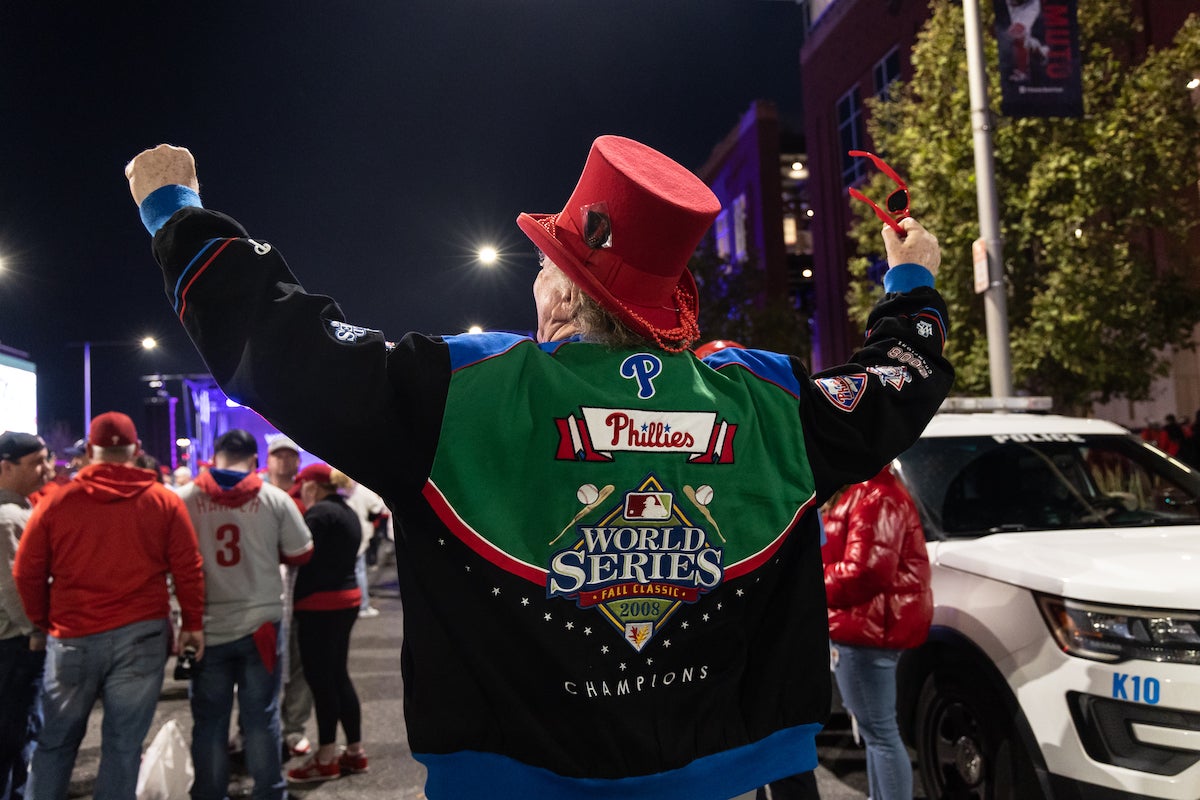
(603, 555)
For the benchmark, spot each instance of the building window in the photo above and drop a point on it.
(887, 70)
(724, 248)
(852, 134)
(741, 249)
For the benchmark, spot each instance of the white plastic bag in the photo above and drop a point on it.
(166, 772)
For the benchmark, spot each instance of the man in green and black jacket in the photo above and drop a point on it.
(608, 549)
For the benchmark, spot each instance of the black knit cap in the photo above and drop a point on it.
(236, 442)
(15, 445)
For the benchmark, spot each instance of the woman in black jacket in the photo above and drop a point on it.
(326, 602)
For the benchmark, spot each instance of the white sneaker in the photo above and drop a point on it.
(368, 612)
(298, 744)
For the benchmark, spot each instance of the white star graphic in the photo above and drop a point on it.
(719, 606)
(495, 591)
(442, 541)
(741, 592)
(524, 601)
(704, 617)
(667, 643)
(546, 616)
(621, 666)
(604, 649)
(649, 662)
(587, 631)
(570, 626)
(683, 625)
(468, 566)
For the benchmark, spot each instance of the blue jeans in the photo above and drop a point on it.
(866, 677)
(360, 575)
(20, 712)
(224, 666)
(124, 667)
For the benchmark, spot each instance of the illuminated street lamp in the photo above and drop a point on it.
(147, 343)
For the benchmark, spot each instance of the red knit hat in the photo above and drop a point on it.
(626, 234)
(112, 429)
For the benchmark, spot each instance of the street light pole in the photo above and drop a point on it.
(87, 387)
(995, 298)
(147, 343)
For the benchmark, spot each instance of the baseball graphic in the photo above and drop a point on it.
(597, 497)
(701, 497)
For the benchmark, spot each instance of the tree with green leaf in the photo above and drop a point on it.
(735, 303)
(1095, 212)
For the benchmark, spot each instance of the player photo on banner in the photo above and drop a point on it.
(1039, 58)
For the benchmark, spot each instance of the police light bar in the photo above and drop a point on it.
(996, 404)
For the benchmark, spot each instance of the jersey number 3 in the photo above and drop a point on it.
(228, 552)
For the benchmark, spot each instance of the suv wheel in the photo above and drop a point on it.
(966, 745)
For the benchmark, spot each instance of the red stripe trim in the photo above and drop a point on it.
(330, 601)
(472, 539)
(199, 272)
(747, 565)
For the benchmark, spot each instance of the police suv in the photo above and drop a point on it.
(1064, 658)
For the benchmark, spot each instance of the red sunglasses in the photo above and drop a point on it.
(897, 201)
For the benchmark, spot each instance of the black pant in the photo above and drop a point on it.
(324, 639)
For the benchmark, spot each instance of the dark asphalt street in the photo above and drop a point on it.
(375, 666)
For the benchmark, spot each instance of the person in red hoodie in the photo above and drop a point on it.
(92, 570)
(880, 604)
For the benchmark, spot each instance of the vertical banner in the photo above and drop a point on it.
(1039, 58)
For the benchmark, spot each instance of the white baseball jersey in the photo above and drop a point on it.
(242, 546)
(365, 503)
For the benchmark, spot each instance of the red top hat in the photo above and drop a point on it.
(626, 234)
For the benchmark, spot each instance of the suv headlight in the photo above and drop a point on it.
(1113, 633)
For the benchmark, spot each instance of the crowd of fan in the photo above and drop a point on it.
(266, 570)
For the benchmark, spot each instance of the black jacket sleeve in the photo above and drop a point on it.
(293, 357)
(904, 378)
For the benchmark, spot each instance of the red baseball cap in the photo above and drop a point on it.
(112, 429)
(321, 473)
(626, 235)
(708, 348)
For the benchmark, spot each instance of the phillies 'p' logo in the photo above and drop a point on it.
(643, 368)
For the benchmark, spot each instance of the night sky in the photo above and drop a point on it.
(376, 144)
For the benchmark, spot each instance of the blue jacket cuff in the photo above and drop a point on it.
(904, 278)
(159, 205)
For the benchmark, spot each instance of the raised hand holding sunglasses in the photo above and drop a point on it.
(897, 202)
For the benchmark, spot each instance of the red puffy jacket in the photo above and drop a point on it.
(876, 567)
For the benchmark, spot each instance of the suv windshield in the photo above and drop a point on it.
(970, 486)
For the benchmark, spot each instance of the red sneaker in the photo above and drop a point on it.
(313, 770)
(353, 763)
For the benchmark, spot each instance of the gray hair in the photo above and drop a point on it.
(595, 322)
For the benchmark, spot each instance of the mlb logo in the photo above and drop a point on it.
(647, 505)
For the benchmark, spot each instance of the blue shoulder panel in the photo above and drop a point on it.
(470, 348)
(772, 367)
